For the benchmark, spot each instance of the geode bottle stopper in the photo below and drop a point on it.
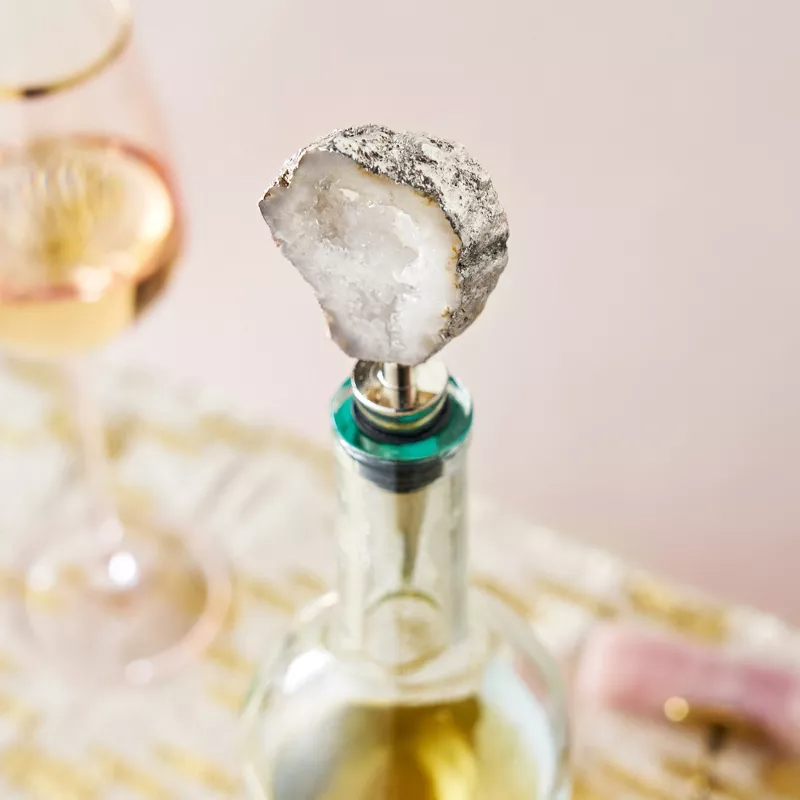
(407, 683)
(401, 236)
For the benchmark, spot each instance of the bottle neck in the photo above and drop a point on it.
(402, 557)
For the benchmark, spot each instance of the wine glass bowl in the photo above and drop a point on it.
(90, 223)
(90, 231)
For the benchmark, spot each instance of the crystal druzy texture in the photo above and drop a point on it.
(401, 236)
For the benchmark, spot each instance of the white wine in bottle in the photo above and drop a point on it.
(457, 750)
(89, 234)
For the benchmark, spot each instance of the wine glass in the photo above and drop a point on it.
(90, 229)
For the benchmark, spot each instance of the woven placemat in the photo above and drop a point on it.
(267, 496)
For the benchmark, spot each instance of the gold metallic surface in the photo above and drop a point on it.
(119, 771)
(525, 607)
(597, 606)
(676, 709)
(627, 780)
(703, 778)
(666, 605)
(46, 777)
(199, 770)
(782, 778)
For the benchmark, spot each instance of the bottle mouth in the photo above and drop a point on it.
(399, 399)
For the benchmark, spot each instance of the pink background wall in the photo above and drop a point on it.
(636, 372)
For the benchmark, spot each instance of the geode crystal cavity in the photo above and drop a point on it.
(401, 236)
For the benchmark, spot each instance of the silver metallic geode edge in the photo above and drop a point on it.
(444, 172)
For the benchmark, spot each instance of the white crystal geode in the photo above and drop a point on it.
(401, 236)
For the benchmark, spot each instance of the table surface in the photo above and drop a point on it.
(266, 496)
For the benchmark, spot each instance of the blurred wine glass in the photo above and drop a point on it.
(90, 230)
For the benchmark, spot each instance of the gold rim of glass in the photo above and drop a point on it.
(124, 14)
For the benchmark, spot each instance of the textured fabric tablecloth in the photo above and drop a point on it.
(266, 495)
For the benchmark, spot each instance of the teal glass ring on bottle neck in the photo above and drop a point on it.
(435, 442)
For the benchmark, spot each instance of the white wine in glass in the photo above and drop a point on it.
(89, 234)
(90, 230)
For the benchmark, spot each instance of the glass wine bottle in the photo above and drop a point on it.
(406, 684)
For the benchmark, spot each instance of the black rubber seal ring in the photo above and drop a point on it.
(402, 477)
(378, 434)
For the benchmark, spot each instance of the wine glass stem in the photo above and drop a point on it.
(88, 419)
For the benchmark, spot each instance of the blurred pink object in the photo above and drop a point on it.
(641, 672)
